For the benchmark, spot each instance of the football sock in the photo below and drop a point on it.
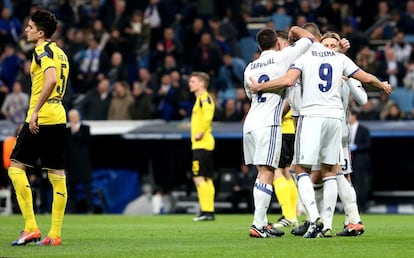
(262, 194)
(59, 203)
(293, 197)
(205, 192)
(307, 195)
(24, 197)
(318, 188)
(348, 198)
(282, 190)
(330, 196)
(210, 191)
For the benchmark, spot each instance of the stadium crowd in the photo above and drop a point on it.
(131, 59)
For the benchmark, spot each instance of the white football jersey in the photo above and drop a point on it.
(266, 108)
(350, 87)
(322, 70)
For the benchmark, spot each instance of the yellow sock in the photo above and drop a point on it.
(60, 198)
(205, 192)
(282, 190)
(24, 197)
(210, 195)
(293, 195)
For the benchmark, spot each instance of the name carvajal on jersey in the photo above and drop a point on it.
(262, 64)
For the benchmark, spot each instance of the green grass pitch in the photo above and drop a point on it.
(178, 236)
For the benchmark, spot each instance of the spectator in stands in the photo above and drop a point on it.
(408, 79)
(142, 108)
(383, 105)
(406, 21)
(366, 59)
(156, 14)
(402, 49)
(368, 112)
(242, 189)
(359, 146)
(117, 16)
(207, 56)
(390, 69)
(89, 63)
(167, 99)
(10, 27)
(138, 34)
(356, 38)
(117, 69)
(185, 98)
(95, 104)
(191, 37)
(230, 76)
(99, 32)
(78, 164)
(229, 112)
(225, 35)
(10, 64)
(167, 65)
(394, 113)
(264, 8)
(121, 102)
(23, 76)
(118, 43)
(382, 26)
(168, 45)
(15, 105)
(146, 81)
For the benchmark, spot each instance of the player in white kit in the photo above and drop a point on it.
(261, 130)
(319, 129)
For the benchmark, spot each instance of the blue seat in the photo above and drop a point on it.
(404, 98)
(248, 47)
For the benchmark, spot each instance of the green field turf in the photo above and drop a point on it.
(178, 236)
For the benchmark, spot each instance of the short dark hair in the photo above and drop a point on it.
(266, 38)
(45, 21)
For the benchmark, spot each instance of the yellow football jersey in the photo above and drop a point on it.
(202, 121)
(45, 56)
(288, 127)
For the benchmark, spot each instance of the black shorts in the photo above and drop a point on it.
(203, 163)
(286, 154)
(48, 145)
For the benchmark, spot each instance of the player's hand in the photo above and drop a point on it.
(255, 85)
(33, 125)
(344, 45)
(387, 88)
(199, 136)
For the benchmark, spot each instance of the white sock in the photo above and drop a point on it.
(318, 188)
(307, 195)
(348, 198)
(262, 194)
(330, 196)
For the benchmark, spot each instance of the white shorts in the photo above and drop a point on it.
(262, 146)
(346, 167)
(318, 140)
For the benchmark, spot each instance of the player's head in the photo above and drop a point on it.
(43, 21)
(331, 40)
(266, 38)
(314, 29)
(282, 39)
(198, 81)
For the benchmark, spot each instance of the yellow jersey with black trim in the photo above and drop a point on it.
(288, 127)
(202, 121)
(45, 56)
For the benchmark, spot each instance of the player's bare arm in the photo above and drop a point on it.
(275, 85)
(371, 80)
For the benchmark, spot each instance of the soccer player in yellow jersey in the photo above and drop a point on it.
(202, 144)
(43, 133)
(285, 186)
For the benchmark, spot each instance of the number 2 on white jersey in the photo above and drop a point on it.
(262, 78)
